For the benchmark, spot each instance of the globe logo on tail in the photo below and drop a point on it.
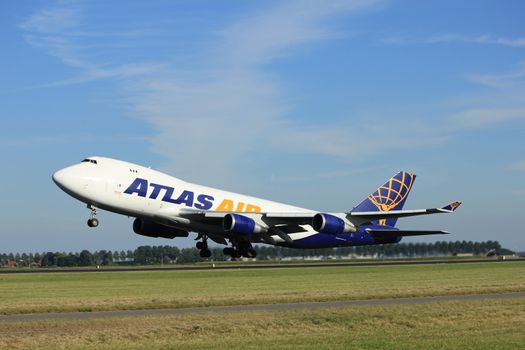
(392, 193)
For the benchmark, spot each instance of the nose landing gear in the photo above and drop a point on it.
(92, 221)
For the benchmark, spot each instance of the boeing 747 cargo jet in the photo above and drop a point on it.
(164, 206)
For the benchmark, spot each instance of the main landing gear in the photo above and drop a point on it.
(242, 249)
(205, 252)
(93, 221)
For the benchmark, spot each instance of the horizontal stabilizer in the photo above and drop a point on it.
(402, 233)
(360, 218)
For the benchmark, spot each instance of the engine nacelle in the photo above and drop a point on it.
(241, 224)
(150, 228)
(331, 224)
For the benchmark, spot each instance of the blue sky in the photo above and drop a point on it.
(311, 103)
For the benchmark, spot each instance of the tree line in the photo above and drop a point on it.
(146, 255)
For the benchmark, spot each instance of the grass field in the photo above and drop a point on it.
(486, 324)
(62, 292)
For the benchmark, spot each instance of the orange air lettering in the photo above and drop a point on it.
(250, 208)
(240, 206)
(226, 205)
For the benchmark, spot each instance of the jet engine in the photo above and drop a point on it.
(241, 224)
(331, 224)
(150, 228)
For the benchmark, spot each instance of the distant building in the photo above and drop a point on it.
(11, 263)
(463, 255)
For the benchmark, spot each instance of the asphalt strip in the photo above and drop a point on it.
(255, 307)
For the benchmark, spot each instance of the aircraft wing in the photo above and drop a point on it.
(364, 217)
(305, 218)
(280, 224)
(284, 224)
(271, 218)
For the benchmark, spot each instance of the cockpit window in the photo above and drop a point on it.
(89, 160)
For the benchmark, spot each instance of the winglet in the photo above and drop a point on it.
(452, 206)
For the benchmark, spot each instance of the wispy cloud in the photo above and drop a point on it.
(481, 117)
(232, 105)
(512, 79)
(322, 175)
(480, 39)
(493, 108)
(128, 70)
(456, 38)
(501, 105)
(53, 20)
(212, 118)
(37, 141)
(57, 30)
(265, 36)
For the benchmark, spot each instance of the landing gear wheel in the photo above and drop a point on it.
(205, 253)
(246, 250)
(229, 251)
(93, 222)
(203, 247)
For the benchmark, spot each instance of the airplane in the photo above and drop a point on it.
(168, 207)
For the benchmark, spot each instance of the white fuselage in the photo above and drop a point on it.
(133, 190)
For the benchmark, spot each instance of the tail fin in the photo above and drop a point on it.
(391, 196)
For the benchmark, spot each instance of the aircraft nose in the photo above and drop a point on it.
(62, 179)
(58, 177)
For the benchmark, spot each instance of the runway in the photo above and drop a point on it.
(255, 266)
(256, 307)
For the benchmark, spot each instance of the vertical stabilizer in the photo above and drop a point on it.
(391, 196)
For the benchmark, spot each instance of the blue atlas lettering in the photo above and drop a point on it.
(186, 198)
(205, 202)
(167, 196)
(139, 186)
(156, 190)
